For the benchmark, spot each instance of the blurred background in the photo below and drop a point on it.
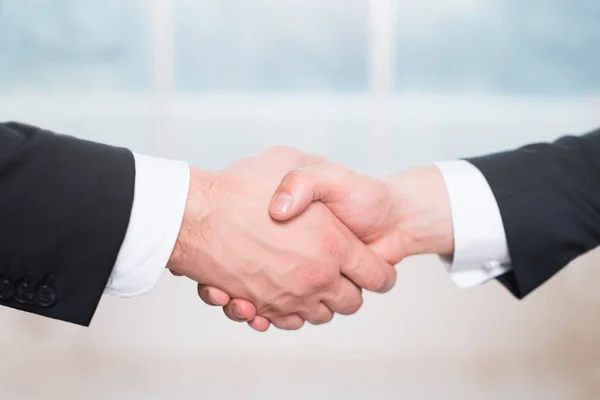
(379, 85)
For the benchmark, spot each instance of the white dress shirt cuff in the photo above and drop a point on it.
(160, 196)
(480, 246)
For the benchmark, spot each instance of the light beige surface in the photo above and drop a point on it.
(425, 340)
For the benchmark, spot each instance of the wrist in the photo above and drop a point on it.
(424, 216)
(198, 206)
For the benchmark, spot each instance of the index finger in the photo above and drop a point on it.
(367, 270)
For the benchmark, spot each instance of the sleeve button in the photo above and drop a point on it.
(492, 264)
(6, 288)
(45, 296)
(25, 292)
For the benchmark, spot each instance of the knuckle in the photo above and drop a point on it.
(354, 304)
(327, 318)
(315, 159)
(286, 304)
(381, 188)
(317, 279)
(333, 245)
(339, 172)
(317, 315)
(289, 324)
(294, 177)
(322, 320)
(277, 307)
(270, 314)
(351, 304)
(282, 151)
(329, 278)
(296, 325)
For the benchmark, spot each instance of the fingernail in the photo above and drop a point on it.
(209, 297)
(235, 313)
(282, 203)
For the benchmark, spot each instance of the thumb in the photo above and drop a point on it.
(300, 187)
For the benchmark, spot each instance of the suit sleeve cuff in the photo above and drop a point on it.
(480, 245)
(160, 196)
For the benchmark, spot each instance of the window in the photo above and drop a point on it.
(367, 82)
(271, 45)
(506, 47)
(73, 46)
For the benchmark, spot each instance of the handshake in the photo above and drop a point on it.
(285, 238)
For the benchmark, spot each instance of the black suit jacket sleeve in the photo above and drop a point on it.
(549, 199)
(64, 210)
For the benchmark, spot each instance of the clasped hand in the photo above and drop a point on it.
(287, 238)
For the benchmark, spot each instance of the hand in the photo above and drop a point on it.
(406, 215)
(292, 272)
